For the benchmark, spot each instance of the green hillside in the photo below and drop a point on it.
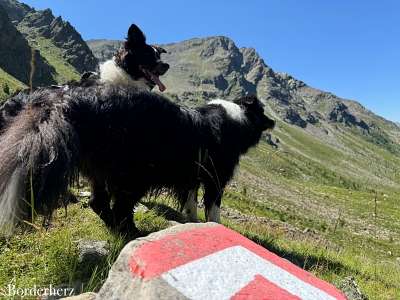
(54, 56)
(64, 71)
(8, 85)
(322, 190)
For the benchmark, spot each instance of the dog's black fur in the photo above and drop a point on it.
(125, 140)
(138, 59)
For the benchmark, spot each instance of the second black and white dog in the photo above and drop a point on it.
(126, 140)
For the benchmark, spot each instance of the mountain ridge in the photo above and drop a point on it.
(322, 189)
(60, 52)
(224, 70)
(14, 44)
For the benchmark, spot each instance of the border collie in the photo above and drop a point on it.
(126, 140)
(136, 64)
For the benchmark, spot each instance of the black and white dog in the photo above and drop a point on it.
(126, 140)
(136, 65)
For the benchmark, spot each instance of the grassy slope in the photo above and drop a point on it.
(12, 83)
(309, 202)
(50, 257)
(64, 71)
(333, 196)
(54, 55)
(300, 204)
(331, 210)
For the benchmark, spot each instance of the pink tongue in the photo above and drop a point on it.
(157, 80)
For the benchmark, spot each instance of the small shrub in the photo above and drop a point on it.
(6, 89)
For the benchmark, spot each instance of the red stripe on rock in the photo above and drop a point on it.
(156, 257)
(262, 289)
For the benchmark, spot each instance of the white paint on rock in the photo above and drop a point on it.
(222, 274)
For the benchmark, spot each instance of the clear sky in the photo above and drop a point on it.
(348, 47)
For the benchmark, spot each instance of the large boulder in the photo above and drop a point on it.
(207, 261)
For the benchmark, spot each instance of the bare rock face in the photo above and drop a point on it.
(293, 117)
(104, 49)
(340, 113)
(207, 68)
(16, 55)
(63, 34)
(16, 11)
(32, 23)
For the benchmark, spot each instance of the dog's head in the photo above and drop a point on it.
(254, 111)
(140, 60)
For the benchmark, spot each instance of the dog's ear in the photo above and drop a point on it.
(136, 38)
(159, 49)
(247, 100)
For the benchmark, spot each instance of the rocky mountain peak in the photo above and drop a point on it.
(16, 55)
(15, 10)
(211, 67)
(43, 24)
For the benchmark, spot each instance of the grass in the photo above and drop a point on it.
(64, 71)
(8, 85)
(40, 257)
(331, 209)
(375, 280)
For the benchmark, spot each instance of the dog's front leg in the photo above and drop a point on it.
(212, 203)
(122, 210)
(189, 209)
(100, 202)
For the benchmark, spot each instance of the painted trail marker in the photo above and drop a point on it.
(208, 261)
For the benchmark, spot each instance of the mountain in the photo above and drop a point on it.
(202, 69)
(104, 49)
(324, 186)
(326, 158)
(16, 55)
(60, 53)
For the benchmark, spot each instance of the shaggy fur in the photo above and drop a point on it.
(125, 139)
(127, 142)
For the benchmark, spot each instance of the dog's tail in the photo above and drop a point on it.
(38, 159)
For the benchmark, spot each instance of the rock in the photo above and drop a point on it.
(341, 114)
(293, 117)
(173, 223)
(140, 207)
(61, 291)
(351, 289)
(63, 34)
(270, 141)
(313, 117)
(104, 49)
(16, 11)
(85, 194)
(122, 284)
(214, 67)
(203, 261)
(85, 296)
(92, 252)
(16, 55)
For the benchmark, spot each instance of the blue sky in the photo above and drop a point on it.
(348, 47)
